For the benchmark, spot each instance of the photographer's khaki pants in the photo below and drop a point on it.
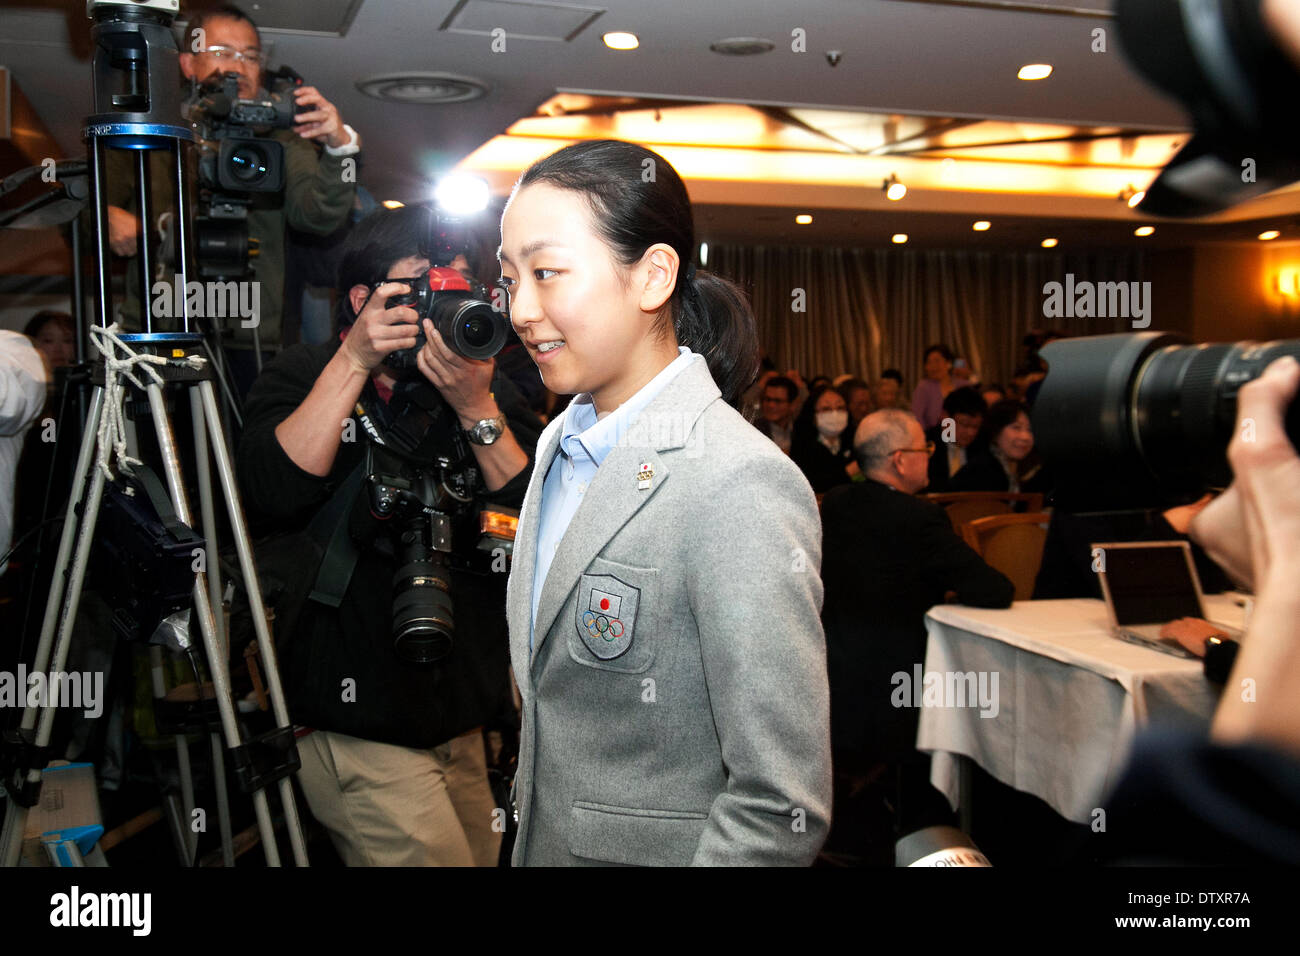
(385, 805)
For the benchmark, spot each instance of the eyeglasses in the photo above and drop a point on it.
(226, 54)
(928, 449)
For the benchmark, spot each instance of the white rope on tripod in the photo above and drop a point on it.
(111, 438)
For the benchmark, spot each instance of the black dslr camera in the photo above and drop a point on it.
(236, 161)
(432, 512)
(457, 305)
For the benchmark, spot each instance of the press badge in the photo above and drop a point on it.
(606, 615)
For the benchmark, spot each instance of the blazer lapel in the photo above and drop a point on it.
(523, 561)
(614, 496)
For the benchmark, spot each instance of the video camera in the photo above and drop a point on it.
(236, 161)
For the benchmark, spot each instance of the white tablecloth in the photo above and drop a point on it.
(1070, 697)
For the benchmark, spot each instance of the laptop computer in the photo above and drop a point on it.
(1146, 585)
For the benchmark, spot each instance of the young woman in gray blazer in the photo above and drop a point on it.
(665, 595)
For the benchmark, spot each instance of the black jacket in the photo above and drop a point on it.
(983, 472)
(888, 557)
(823, 468)
(940, 479)
(321, 647)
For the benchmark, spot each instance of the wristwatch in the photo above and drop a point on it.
(486, 431)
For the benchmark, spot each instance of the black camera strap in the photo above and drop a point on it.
(329, 529)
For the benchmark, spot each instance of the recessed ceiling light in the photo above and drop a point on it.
(1049, 243)
(803, 219)
(900, 237)
(742, 46)
(1144, 230)
(393, 204)
(981, 226)
(1035, 71)
(621, 41)
(1270, 234)
(423, 88)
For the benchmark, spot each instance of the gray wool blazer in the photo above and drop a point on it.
(675, 704)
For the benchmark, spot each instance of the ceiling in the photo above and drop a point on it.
(906, 68)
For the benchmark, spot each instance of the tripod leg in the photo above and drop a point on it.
(202, 465)
(223, 803)
(240, 532)
(190, 844)
(16, 819)
(217, 663)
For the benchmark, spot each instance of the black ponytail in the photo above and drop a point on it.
(637, 200)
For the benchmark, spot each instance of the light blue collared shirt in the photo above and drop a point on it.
(584, 445)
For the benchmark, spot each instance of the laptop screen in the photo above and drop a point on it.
(1150, 584)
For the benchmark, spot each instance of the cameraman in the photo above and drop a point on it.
(317, 197)
(395, 768)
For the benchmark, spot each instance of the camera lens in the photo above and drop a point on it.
(248, 165)
(471, 327)
(1130, 419)
(423, 626)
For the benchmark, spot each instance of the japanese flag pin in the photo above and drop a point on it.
(644, 476)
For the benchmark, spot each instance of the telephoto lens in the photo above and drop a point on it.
(422, 620)
(1133, 419)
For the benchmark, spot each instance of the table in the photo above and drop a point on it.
(1070, 698)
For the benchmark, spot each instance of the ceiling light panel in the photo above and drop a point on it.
(521, 20)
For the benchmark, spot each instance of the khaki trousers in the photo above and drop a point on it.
(385, 805)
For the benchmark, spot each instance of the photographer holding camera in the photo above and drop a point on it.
(319, 183)
(373, 455)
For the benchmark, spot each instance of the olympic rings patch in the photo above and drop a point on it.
(605, 619)
(600, 625)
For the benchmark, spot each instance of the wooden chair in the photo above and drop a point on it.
(1013, 544)
(965, 506)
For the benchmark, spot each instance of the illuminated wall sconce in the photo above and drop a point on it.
(1288, 283)
(893, 188)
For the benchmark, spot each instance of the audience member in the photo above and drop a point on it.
(777, 422)
(963, 415)
(888, 557)
(1001, 457)
(54, 335)
(821, 445)
(889, 389)
(857, 395)
(23, 376)
(992, 393)
(927, 399)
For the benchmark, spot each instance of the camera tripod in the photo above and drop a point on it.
(268, 758)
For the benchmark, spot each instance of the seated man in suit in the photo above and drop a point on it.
(888, 557)
(963, 414)
(779, 407)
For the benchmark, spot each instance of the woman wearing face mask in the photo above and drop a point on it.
(822, 445)
(1002, 456)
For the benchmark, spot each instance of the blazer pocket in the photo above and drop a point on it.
(632, 836)
(615, 617)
